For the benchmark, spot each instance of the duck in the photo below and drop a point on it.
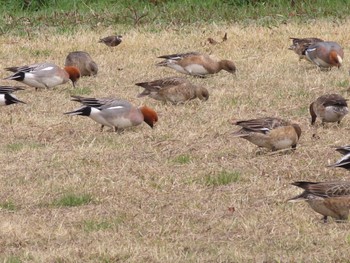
(112, 41)
(300, 45)
(330, 199)
(6, 98)
(325, 54)
(329, 108)
(173, 89)
(196, 64)
(83, 61)
(115, 113)
(344, 161)
(269, 132)
(44, 75)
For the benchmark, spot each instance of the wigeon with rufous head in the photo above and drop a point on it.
(44, 75)
(115, 113)
(325, 54)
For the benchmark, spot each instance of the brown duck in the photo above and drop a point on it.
(326, 198)
(83, 61)
(271, 133)
(173, 89)
(329, 108)
(300, 45)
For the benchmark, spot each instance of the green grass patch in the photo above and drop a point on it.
(182, 159)
(15, 147)
(222, 178)
(80, 91)
(65, 16)
(8, 205)
(343, 83)
(71, 200)
(12, 259)
(18, 146)
(97, 225)
(92, 225)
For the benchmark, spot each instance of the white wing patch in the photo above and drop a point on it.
(265, 129)
(311, 49)
(47, 68)
(116, 107)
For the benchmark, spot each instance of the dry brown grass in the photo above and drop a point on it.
(151, 200)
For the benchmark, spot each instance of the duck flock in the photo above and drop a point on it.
(327, 198)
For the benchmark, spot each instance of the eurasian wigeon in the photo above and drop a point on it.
(83, 61)
(114, 113)
(343, 162)
(325, 54)
(271, 133)
(300, 45)
(44, 75)
(174, 89)
(196, 64)
(111, 41)
(329, 108)
(6, 98)
(326, 198)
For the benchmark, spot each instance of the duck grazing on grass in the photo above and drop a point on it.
(196, 64)
(325, 54)
(174, 89)
(83, 61)
(6, 98)
(271, 133)
(300, 45)
(114, 113)
(343, 162)
(326, 198)
(44, 75)
(112, 41)
(329, 108)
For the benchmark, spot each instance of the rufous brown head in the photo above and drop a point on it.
(74, 74)
(149, 115)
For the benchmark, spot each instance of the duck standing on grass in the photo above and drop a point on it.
(329, 108)
(114, 113)
(83, 61)
(300, 45)
(44, 75)
(325, 54)
(326, 198)
(196, 64)
(272, 133)
(173, 89)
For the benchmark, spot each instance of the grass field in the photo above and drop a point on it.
(185, 191)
